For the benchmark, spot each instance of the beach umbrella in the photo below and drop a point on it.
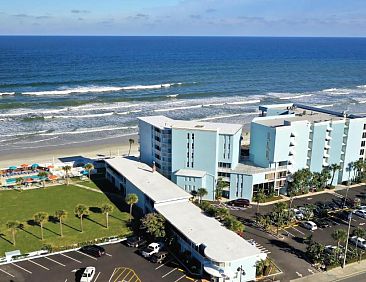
(24, 165)
(29, 180)
(13, 167)
(35, 165)
(50, 166)
(84, 172)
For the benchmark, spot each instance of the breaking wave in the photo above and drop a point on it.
(98, 89)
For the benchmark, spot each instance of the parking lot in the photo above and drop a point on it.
(288, 250)
(120, 263)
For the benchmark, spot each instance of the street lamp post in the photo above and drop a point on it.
(346, 248)
(241, 271)
(345, 198)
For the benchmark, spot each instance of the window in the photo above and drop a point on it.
(364, 126)
(192, 164)
(188, 136)
(363, 144)
(364, 135)
(192, 136)
(362, 151)
(187, 154)
(187, 145)
(187, 164)
(192, 145)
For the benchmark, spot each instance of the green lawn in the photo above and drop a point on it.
(23, 205)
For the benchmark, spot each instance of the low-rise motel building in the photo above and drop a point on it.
(283, 139)
(221, 253)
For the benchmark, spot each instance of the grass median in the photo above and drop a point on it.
(21, 206)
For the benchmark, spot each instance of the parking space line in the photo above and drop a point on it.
(7, 273)
(127, 273)
(96, 278)
(180, 278)
(163, 264)
(108, 254)
(55, 261)
(166, 274)
(299, 231)
(110, 278)
(289, 233)
(86, 255)
(115, 280)
(26, 270)
(40, 265)
(71, 258)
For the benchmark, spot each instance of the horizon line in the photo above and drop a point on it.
(105, 35)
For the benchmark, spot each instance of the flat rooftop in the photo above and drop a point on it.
(222, 245)
(165, 122)
(248, 167)
(153, 184)
(191, 172)
(299, 112)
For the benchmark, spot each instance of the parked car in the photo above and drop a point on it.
(135, 242)
(239, 203)
(151, 249)
(330, 249)
(298, 214)
(360, 213)
(310, 225)
(159, 257)
(358, 241)
(94, 250)
(362, 208)
(343, 215)
(88, 274)
(322, 223)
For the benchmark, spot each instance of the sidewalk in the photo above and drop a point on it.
(310, 194)
(336, 274)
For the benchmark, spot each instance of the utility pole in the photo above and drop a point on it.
(346, 248)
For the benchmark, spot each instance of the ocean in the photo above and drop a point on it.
(65, 90)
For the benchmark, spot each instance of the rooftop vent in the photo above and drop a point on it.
(198, 126)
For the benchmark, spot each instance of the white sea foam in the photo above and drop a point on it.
(244, 102)
(7, 93)
(96, 89)
(178, 108)
(24, 133)
(129, 112)
(89, 108)
(330, 90)
(296, 96)
(324, 106)
(172, 96)
(361, 86)
(226, 116)
(81, 116)
(90, 130)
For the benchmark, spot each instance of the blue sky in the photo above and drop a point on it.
(184, 17)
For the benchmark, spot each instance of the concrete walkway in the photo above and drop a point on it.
(336, 274)
(310, 194)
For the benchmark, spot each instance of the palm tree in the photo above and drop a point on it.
(334, 168)
(107, 209)
(40, 218)
(201, 192)
(325, 176)
(67, 169)
(19, 181)
(259, 197)
(61, 215)
(358, 166)
(89, 167)
(339, 235)
(359, 232)
(278, 214)
(81, 211)
(12, 226)
(130, 141)
(131, 199)
(43, 175)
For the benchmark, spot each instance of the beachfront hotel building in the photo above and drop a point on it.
(217, 251)
(283, 139)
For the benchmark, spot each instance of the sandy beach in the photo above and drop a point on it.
(107, 147)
